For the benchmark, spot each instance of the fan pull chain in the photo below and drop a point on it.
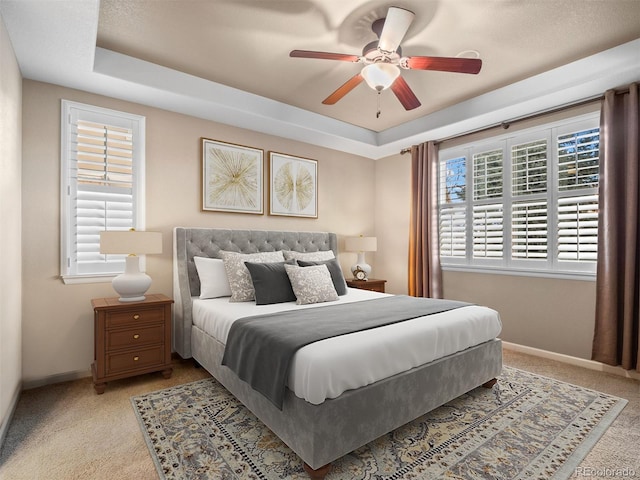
(378, 112)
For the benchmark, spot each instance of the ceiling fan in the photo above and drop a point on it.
(383, 60)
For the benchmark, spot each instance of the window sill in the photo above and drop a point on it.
(583, 276)
(78, 279)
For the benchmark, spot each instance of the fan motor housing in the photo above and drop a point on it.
(372, 55)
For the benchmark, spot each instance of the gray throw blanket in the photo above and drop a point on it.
(259, 349)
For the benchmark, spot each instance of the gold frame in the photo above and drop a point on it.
(293, 186)
(232, 177)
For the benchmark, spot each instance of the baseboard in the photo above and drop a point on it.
(50, 380)
(4, 428)
(579, 362)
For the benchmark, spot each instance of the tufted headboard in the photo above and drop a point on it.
(207, 242)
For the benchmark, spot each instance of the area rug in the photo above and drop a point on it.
(526, 427)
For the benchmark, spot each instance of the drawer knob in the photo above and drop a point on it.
(136, 336)
(135, 359)
(136, 316)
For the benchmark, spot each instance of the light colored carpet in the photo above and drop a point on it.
(66, 431)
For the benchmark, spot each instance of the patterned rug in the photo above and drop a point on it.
(526, 427)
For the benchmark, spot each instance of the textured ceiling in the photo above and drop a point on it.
(245, 44)
(228, 61)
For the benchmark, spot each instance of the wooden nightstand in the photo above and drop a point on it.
(131, 338)
(373, 284)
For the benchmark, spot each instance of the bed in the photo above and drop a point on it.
(323, 428)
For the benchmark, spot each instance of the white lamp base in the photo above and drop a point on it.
(132, 284)
(362, 264)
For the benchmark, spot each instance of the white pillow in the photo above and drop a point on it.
(309, 256)
(238, 275)
(311, 284)
(213, 277)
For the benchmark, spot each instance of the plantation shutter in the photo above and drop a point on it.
(101, 189)
(529, 230)
(488, 222)
(488, 235)
(487, 175)
(104, 161)
(453, 231)
(452, 220)
(578, 177)
(578, 228)
(524, 202)
(529, 216)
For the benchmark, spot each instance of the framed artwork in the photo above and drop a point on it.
(293, 186)
(232, 177)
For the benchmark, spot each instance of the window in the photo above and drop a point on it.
(102, 163)
(523, 202)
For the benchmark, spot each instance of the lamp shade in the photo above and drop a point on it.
(361, 244)
(380, 76)
(130, 242)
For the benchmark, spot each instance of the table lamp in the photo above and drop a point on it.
(361, 244)
(132, 284)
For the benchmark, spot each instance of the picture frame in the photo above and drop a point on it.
(232, 177)
(293, 186)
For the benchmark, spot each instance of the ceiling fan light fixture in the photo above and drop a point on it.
(380, 76)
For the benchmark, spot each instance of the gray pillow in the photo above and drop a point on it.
(271, 282)
(334, 269)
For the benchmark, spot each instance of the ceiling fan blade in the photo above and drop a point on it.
(349, 85)
(404, 93)
(445, 64)
(324, 55)
(395, 28)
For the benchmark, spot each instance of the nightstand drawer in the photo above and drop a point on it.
(135, 359)
(134, 317)
(134, 337)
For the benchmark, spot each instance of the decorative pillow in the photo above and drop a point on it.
(271, 282)
(238, 275)
(309, 256)
(334, 269)
(311, 284)
(213, 277)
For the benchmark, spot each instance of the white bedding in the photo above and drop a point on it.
(328, 368)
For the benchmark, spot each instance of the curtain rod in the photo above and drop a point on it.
(507, 123)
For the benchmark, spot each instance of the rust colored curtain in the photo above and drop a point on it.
(617, 330)
(425, 275)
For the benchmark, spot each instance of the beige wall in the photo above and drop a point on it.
(393, 199)
(10, 229)
(546, 313)
(57, 325)
(58, 321)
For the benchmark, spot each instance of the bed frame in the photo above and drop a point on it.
(318, 434)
